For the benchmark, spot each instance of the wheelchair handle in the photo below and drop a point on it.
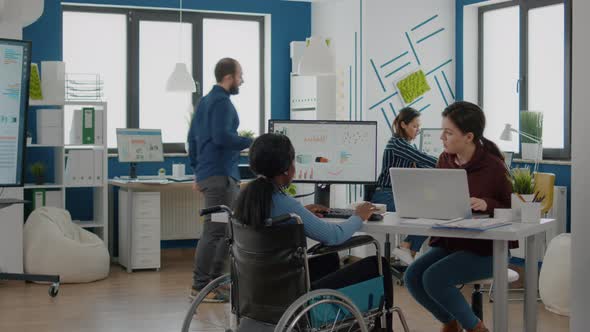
(215, 209)
(282, 218)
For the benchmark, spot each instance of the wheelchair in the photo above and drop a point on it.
(270, 288)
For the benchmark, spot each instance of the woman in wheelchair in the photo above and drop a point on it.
(277, 283)
(272, 160)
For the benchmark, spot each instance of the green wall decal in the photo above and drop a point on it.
(413, 86)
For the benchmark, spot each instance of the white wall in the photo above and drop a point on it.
(389, 24)
(580, 319)
(384, 27)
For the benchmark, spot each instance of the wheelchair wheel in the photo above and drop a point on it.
(322, 310)
(211, 317)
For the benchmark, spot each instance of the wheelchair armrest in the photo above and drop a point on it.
(353, 242)
(215, 209)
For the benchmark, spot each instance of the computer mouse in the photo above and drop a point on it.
(376, 217)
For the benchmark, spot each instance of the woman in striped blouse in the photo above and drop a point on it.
(400, 152)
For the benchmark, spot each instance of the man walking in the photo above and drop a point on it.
(214, 151)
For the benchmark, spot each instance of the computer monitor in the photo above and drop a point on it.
(430, 142)
(139, 145)
(15, 64)
(330, 152)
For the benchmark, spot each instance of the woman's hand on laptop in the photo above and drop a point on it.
(365, 210)
(317, 209)
(478, 204)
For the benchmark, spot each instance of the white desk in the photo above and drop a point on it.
(391, 224)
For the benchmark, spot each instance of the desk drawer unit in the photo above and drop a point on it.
(139, 230)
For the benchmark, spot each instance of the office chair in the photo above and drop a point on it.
(544, 185)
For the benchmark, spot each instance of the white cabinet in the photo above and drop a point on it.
(139, 229)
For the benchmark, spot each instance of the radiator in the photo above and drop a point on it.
(558, 212)
(180, 214)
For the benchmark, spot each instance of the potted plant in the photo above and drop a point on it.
(246, 133)
(523, 187)
(38, 171)
(531, 123)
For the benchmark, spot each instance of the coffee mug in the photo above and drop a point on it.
(505, 214)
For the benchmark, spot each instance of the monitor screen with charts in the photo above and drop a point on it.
(331, 151)
(139, 145)
(15, 61)
(430, 142)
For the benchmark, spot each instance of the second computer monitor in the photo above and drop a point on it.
(331, 151)
(139, 145)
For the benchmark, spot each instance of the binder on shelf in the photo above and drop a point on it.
(88, 125)
(98, 167)
(50, 127)
(38, 198)
(98, 127)
(76, 128)
(87, 169)
(72, 168)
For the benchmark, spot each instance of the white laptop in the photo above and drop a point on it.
(430, 193)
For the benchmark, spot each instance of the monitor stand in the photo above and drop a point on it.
(133, 171)
(322, 194)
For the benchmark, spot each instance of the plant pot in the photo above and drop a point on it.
(40, 179)
(530, 151)
(531, 212)
(517, 204)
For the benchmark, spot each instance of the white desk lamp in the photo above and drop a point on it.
(507, 136)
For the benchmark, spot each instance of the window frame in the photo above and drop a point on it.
(522, 83)
(134, 16)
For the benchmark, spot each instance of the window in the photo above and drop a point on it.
(239, 40)
(546, 64)
(138, 51)
(169, 111)
(97, 43)
(524, 60)
(500, 73)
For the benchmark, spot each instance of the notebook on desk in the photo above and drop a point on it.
(478, 225)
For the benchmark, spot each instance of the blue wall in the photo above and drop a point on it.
(562, 172)
(290, 21)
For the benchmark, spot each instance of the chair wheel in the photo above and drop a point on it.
(53, 290)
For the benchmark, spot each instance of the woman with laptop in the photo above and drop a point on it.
(399, 152)
(433, 277)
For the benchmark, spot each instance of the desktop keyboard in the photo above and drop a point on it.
(339, 213)
(347, 213)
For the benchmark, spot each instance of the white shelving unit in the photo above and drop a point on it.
(99, 223)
